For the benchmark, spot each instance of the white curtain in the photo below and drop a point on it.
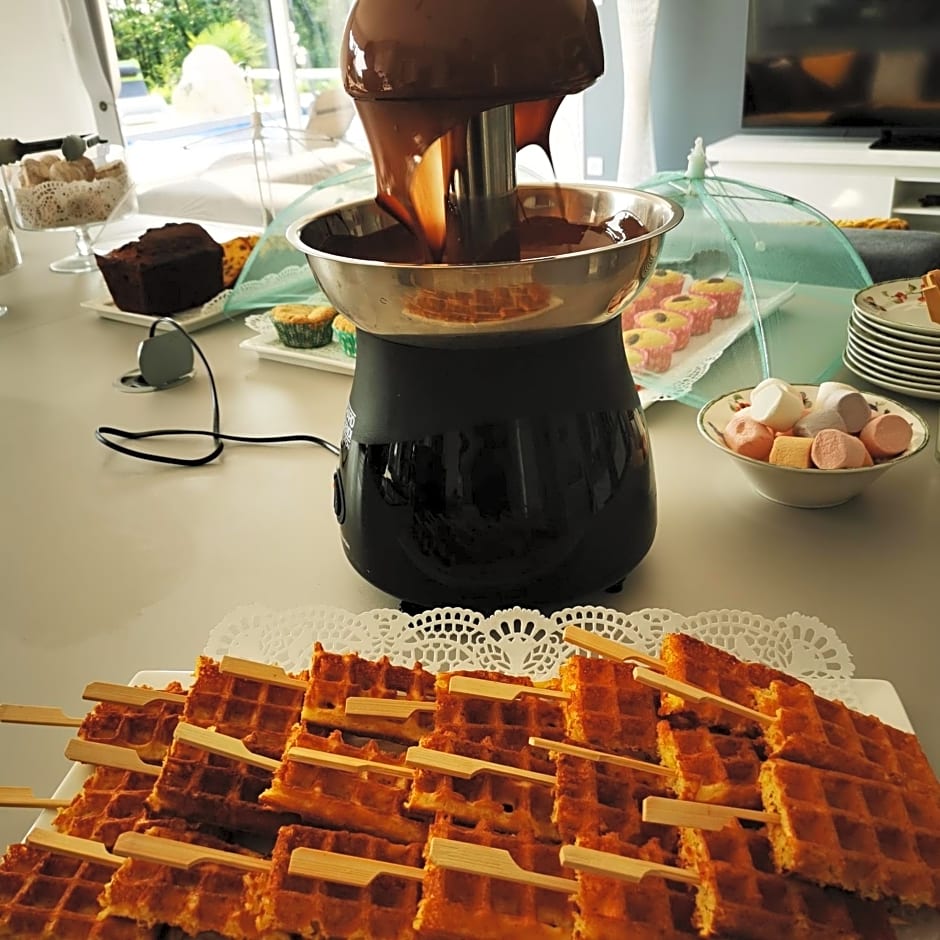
(637, 19)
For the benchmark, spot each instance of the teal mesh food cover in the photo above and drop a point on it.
(750, 284)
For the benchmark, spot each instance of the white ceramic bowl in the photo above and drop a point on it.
(807, 489)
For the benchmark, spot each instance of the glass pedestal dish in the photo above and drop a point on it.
(48, 192)
(9, 249)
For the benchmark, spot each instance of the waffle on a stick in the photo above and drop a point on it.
(459, 906)
(710, 766)
(110, 802)
(311, 909)
(741, 894)
(812, 730)
(877, 838)
(335, 677)
(148, 729)
(205, 898)
(593, 799)
(48, 896)
(503, 803)
(608, 709)
(367, 802)
(610, 909)
(721, 673)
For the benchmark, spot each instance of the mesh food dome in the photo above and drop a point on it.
(761, 282)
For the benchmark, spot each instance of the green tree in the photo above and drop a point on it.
(236, 38)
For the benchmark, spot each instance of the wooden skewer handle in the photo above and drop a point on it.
(692, 693)
(182, 854)
(601, 757)
(456, 765)
(222, 745)
(609, 865)
(23, 797)
(108, 755)
(492, 863)
(128, 694)
(693, 815)
(305, 755)
(37, 715)
(72, 846)
(609, 649)
(346, 869)
(500, 691)
(259, 672)
(396, 709)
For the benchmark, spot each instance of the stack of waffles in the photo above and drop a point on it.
(371, 801)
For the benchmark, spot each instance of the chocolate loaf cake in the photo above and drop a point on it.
(166, 270)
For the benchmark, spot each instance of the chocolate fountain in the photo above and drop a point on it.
(494, 450)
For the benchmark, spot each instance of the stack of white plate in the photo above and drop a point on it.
(892, 341)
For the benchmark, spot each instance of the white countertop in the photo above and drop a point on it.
(110, 566)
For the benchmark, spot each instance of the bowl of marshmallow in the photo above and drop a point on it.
(811, 446)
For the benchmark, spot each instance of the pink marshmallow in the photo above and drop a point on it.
(886, 436)
(748, 437)
(836, 450)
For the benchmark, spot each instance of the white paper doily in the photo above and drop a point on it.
(527, 642)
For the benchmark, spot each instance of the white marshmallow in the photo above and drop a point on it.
(776, 407)
(851, 406)
(778, 383)
(828, 388)
(819, 419)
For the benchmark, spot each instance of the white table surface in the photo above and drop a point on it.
(110, 565)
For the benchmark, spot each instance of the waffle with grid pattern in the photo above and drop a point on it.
(359, 801)
(593, 799)
(610, 909)
(208, 898)
(719, 672)
(334, 677)
(710, 766)
(315, 909)
(504, 803)
(148, 728)
(875, 837)
(110, 802)
(812, 730)
(455, 905)
(742, 895)
(48, 896)
(608, 709)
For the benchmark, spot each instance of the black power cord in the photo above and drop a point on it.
(104, 434)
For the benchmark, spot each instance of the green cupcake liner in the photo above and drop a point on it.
(304, 335)
(346, 340)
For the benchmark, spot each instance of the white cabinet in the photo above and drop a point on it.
(842, 178)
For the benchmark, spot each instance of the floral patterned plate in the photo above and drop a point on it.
(898, 305)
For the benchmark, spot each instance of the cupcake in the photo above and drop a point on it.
(664, 283)
(675, 324)
(698, 310)
(646, 299)
(725, 291)
(303, 326)
(636, 358)
(344, 333)
(657, 345)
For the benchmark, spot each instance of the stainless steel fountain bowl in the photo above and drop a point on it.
(434, 301)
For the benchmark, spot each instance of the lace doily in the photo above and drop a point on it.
(527, 642)
(62, 204)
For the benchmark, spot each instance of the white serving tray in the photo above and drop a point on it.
(329, 358)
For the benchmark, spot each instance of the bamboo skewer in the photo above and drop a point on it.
(601, 757)
(492, 863)
(633, 870)
(692, 815)
(692, 693)
(222, 745)
(108, 755)
(128, 694)
(37, 715)
(184, 855)
(455, 765)
(609, 649)
(260, 672)
(72, 846)
(24, 798)
(397, 709)
(346, 869)
(304, 755)
(500, 691)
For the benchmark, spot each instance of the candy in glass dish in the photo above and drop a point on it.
(73, 183)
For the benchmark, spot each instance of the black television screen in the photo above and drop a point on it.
(843, 64)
